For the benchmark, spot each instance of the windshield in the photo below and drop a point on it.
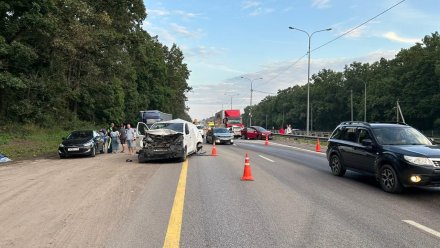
(80, 135)
(260, 129)
(234, 121)
(178, 127)
(400, 136)
(221, 130)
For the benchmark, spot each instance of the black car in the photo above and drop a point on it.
(396, 154)
(219, 135)
(85, 142)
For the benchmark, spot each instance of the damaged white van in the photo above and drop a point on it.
(169, 139)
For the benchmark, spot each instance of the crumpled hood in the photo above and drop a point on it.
(162, 137)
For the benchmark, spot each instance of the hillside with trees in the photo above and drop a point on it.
(88, 60)
(412, 78)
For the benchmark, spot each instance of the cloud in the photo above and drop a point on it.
(250, 4)
(394, 37)
(157, 12)
(185, 32)
(261, 11)
(321, 4)
(203, 52)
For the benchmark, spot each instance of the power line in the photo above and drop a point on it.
(340, 36)
(358, 26)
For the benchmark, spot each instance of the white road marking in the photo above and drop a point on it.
(270, 160)
(422, 227)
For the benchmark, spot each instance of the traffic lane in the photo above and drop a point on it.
(289, 205)
(145, 223)
(426, 200)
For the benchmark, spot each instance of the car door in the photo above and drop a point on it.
(141, 128)
(188, 139)
(346, 145)
(251, 133)
(364, 156)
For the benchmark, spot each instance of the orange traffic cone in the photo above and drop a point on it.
(247, 174)
(267, 141)
(318, 146)
(214, 150)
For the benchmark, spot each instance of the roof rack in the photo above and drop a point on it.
(355, 122)
(391, 122)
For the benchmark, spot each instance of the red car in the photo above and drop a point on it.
(255, 132)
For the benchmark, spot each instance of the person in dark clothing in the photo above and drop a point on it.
(122, 137)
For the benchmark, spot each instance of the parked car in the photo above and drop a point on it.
(396, 154)
(255, 132)
(84, 142)
(169, 139)
(219, 135)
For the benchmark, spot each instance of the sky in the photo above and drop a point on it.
(230, 44)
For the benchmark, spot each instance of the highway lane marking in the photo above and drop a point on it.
(422, 227)
(172, 237)
(293, 147)
(270, 160)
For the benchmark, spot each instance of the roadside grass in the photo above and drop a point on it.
(27, 141)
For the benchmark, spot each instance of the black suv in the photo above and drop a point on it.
(396, 154)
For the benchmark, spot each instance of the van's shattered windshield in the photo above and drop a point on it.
(178, 127)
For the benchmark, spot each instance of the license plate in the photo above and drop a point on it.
(73, 149)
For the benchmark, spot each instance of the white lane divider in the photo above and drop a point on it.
(270, 160)
(422, 227)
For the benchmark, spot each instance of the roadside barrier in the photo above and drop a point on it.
(247, 174)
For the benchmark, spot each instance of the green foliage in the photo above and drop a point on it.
(412, 78)
(68, 60)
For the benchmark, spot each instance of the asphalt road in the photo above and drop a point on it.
(293, 202)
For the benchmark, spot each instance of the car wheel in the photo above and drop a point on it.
(183, 158)
(141, 158)
(336, 166)
(62, 156)
(93, 152)
(243, 136)
(388, 179)
(258, 137)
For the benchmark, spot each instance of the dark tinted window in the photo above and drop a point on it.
(337, 133)
(221, 130)
(349, 134)
(363, 134)
(400, 135)
(80, 135)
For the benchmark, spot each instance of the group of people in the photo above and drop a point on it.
(123, 135)
(288, 130)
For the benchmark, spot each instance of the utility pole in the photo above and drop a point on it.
(351, 96)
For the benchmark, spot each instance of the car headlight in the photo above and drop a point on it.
(418, 160)
(90, 143)
(61, 145)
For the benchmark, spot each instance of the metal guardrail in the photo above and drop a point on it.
(312, 136)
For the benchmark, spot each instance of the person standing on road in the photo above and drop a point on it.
(122, 137)
(131, 140)
(115, 139)
(109, 140)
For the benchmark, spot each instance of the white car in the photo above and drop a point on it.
(168, 139)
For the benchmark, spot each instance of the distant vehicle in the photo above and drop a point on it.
(219, 135)
(80, 143)
(228, 118)
(396, 154)
(150, 117)
(170, 139)
(236, 130)
(255, 132)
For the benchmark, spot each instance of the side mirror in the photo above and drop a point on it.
(433, 141)
(367, 142)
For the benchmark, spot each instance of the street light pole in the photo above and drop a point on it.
(365, 102)
(250, 104)
(308, 70)
(231, 97)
